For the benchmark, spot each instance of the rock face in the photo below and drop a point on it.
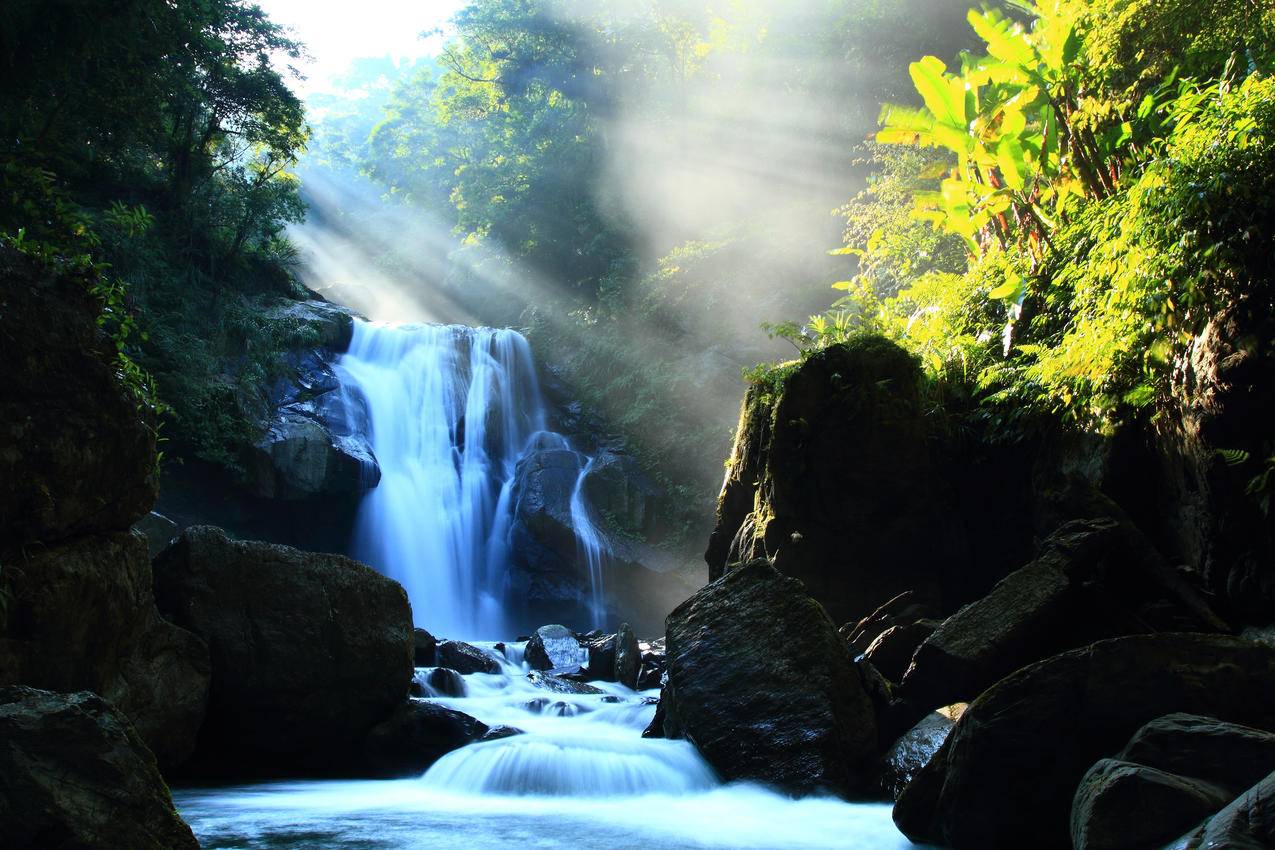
(553, 648)
(1124, 806)
(628, 656)
(425, 648)
(762, 684)
(308, 651)
(78, 450)
(833, 480)
(1006, 775)
(81, 615)
(1229, 755)
(418, 734)
(73, 773)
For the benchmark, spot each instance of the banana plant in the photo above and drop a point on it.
(1005, 116)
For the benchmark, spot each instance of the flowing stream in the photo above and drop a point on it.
(450, 412)
(581, 777)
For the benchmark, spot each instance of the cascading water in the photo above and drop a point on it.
(451, 410)
(578, 776)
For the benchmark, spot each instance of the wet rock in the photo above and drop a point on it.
(315, 323)
(559, 685)
(617, 487)
(1123, 806)
(628, 657)
(891, 651)
(425, 648)
(443, 682)
(553, 648)
(762, 684)
(1006, 774)
(911, 752)
(309, 651)
(465, 658)
(74, 773)
(602, 658)
(496, 733)
(418, 734)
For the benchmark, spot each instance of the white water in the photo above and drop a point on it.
(451, 410)
(581, 777)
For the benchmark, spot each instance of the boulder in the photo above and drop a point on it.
(602, 658)
(74, 773)
(1124, 806)
(761, 683)
(300, 458)
(464, 658)
(1229, 755)
(891, 651)
(553, 648)
(911, 752)
(308, 651)
(617, 487)
(78, 449)
(442, 682)
(81, 616)
(425, 648)
(418, 734)
(1247, 823)
(314, 323)
(559, 685)
(1089, 582)
(1006, 774)
(628, 657)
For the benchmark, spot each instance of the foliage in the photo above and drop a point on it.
(1110, 203)
(153, 142)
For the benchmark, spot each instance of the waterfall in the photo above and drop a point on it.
(450, 412)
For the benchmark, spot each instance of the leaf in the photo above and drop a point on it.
(1013, 166)
(1005, 40)
(1009, 290)
(945, 102)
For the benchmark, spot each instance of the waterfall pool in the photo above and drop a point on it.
(580, 777)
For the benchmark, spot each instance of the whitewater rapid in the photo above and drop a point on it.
(581, 776)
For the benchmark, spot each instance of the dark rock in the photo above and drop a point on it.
(314, 323)
(617, 487)
(78, 451)
(911, 752)
(496, 733)
(602, 658)
(553, 648)
(762, 684)
(628, 657)
(891, 651)
(1229, 755)
(465, 659)
(1005, 776)
(81, 616)
(158, 530)
(1123, 806)
(418, 734)
(425, 648)
(309, 651)
(74, 774)
(559, 685)
(445, 683)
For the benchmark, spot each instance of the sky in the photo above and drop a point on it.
(335, 34)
